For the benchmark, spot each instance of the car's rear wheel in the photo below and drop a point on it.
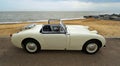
(31, 46)
(91, 47)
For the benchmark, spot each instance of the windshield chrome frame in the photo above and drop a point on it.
(60, 22)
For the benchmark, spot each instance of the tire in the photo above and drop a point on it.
(91, 47)
(31, 46)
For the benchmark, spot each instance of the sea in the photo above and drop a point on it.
(38, 16)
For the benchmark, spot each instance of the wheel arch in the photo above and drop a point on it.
(93, 40)
(27, 39)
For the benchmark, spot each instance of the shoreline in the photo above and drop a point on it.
(17, 22)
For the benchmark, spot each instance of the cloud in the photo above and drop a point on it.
(101, 1)
(84, 0)
(95, 1)
(59, 5)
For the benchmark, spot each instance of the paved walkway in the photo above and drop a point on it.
(12, 56)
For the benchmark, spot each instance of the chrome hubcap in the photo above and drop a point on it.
(92, 47)
(31, 47)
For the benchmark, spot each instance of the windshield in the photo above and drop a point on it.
(63, 25)
(58, 21)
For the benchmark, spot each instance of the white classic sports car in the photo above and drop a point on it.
(58, 37)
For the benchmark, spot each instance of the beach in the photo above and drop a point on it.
(107, 28)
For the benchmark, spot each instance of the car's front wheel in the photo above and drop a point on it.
(31, 46)
(91, 47)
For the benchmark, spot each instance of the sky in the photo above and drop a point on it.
(60, 5)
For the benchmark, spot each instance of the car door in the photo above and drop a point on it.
(53, 38)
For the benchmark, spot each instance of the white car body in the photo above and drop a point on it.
(74, 39)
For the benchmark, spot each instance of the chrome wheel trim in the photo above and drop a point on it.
(91, 48)
(31, 47)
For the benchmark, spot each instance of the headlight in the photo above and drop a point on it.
(29, 26)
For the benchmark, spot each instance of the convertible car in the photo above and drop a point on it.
(34, 38)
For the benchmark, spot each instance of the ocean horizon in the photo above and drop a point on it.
(36, 16)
